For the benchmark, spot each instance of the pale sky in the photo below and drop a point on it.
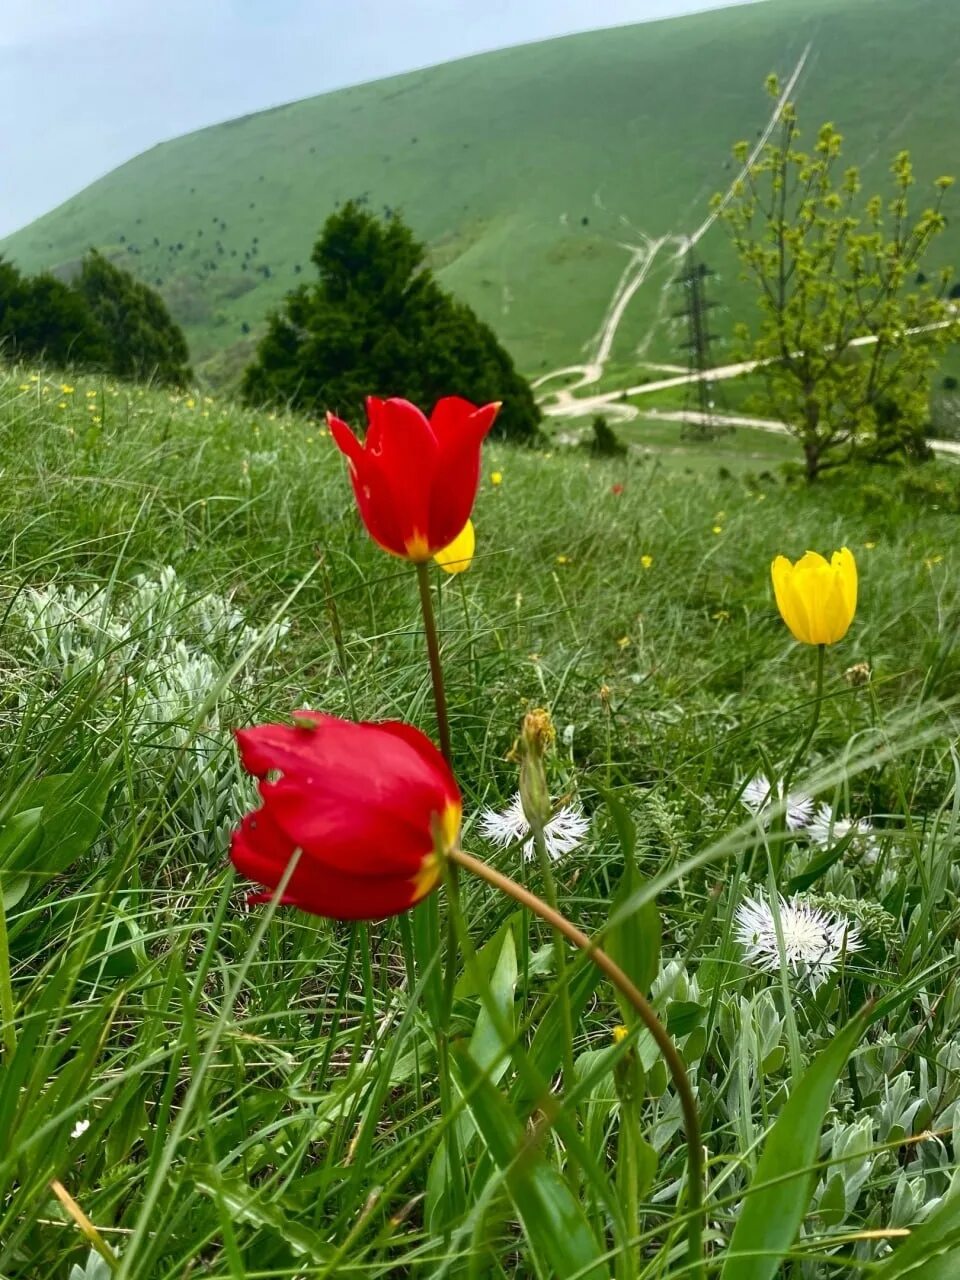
(89, 83)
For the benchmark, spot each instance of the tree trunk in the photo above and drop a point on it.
(811, 455)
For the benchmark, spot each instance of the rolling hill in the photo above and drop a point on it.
(540, 176)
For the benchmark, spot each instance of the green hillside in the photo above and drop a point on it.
(531, 172)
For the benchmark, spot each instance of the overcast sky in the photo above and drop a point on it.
(89, 83)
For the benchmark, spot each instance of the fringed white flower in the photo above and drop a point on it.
(760, 796)
(827, 829)
(565, 831)
(814, 940)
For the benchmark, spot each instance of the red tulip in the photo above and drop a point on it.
(415, 480)
(371, 807)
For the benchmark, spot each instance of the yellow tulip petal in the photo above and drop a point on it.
(456, 557)
(791, 606)
(846, 566)
(810, 560)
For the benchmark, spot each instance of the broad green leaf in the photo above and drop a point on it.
(246, 1204)
(683, 1016)
(546, 1047)
(558, 1235)
(932, 1250)
(633, 940)
(488, 957)
(59, 822)
(779, 1193)
(486, 1048)
(490, 1054)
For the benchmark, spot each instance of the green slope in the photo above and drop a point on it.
(526, 170)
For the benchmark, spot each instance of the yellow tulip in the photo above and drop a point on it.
(816, 598)
(456, 557)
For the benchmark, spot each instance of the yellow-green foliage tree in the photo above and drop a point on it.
(849, 329)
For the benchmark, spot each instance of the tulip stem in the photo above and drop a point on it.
(814, 719)
(678, 1072)
(450, 972)
(436, 668)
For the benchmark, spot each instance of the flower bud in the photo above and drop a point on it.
(858, 675)
(536, 737)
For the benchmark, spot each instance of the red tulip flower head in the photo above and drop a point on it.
(415, 479)
(372, 808)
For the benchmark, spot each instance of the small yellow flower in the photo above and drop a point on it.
(623, 641)
(25, 386)
(620, 1034)
(869, 545)
(933, 560)
(496, 478)
(717, 528)
(563, 560)
(722, 615)
(91, 394)
(190, 402)
(66, 389)
(816, 598)
(646, 561)
(456, 557)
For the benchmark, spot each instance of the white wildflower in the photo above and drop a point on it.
(80, 1128)
(760, 795)
(814, 940)
(564, 832)
(827, 829)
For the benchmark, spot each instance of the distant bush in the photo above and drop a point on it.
(104, 320)
(606, 443)
(142, 339)
(43, 318)
(377, 323)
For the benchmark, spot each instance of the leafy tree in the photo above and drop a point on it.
(142, 340)
(43, 318)
(377, 323)
(845, 347)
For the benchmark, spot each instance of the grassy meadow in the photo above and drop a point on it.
(193, 1088)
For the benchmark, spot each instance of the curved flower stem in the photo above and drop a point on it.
(647, 1015)
(433, 652)
(7, 1007)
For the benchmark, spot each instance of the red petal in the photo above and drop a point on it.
(427, 751)
(458, 468)
(344, 897)
(404, 447)
(344, 438)
(449, 416)
(375, 502)
(259, 850)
